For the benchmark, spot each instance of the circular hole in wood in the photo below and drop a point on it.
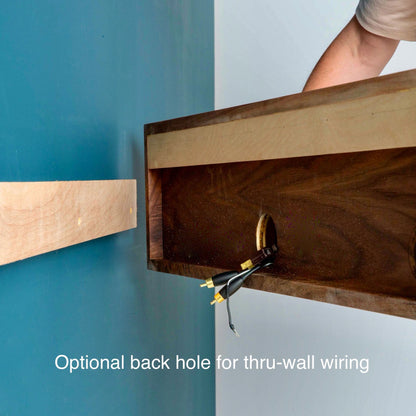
(266, 234)
(412, 253)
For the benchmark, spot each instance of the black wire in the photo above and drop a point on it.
(230, 323)
(245, 274)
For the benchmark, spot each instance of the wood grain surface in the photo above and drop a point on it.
(336, 168)
(343, 221)
(154, 215)
(37, 217)
(272, 282)
(381, 122)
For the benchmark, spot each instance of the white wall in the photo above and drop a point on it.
(267, 49)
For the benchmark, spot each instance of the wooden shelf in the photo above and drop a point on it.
(336, 168)
(37, 217)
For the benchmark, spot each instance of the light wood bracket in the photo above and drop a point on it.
(37, 217)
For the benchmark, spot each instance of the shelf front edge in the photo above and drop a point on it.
(375, 122)
(391, 305)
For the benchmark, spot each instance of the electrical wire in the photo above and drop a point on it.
(243, 275)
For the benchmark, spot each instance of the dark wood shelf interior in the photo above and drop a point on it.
(346, 224)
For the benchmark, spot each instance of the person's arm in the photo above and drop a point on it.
(355, 54)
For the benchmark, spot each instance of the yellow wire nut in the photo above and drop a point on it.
(247, 265)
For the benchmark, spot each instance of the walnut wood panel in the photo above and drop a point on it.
(270, 282)
(154, 215)
(37, 217)
(335, 167)
(370, 115)
(346, 224)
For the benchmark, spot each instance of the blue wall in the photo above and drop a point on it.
(78, 81)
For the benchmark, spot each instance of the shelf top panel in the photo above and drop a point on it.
(367, 115)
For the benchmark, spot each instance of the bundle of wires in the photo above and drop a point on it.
(233, 280)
